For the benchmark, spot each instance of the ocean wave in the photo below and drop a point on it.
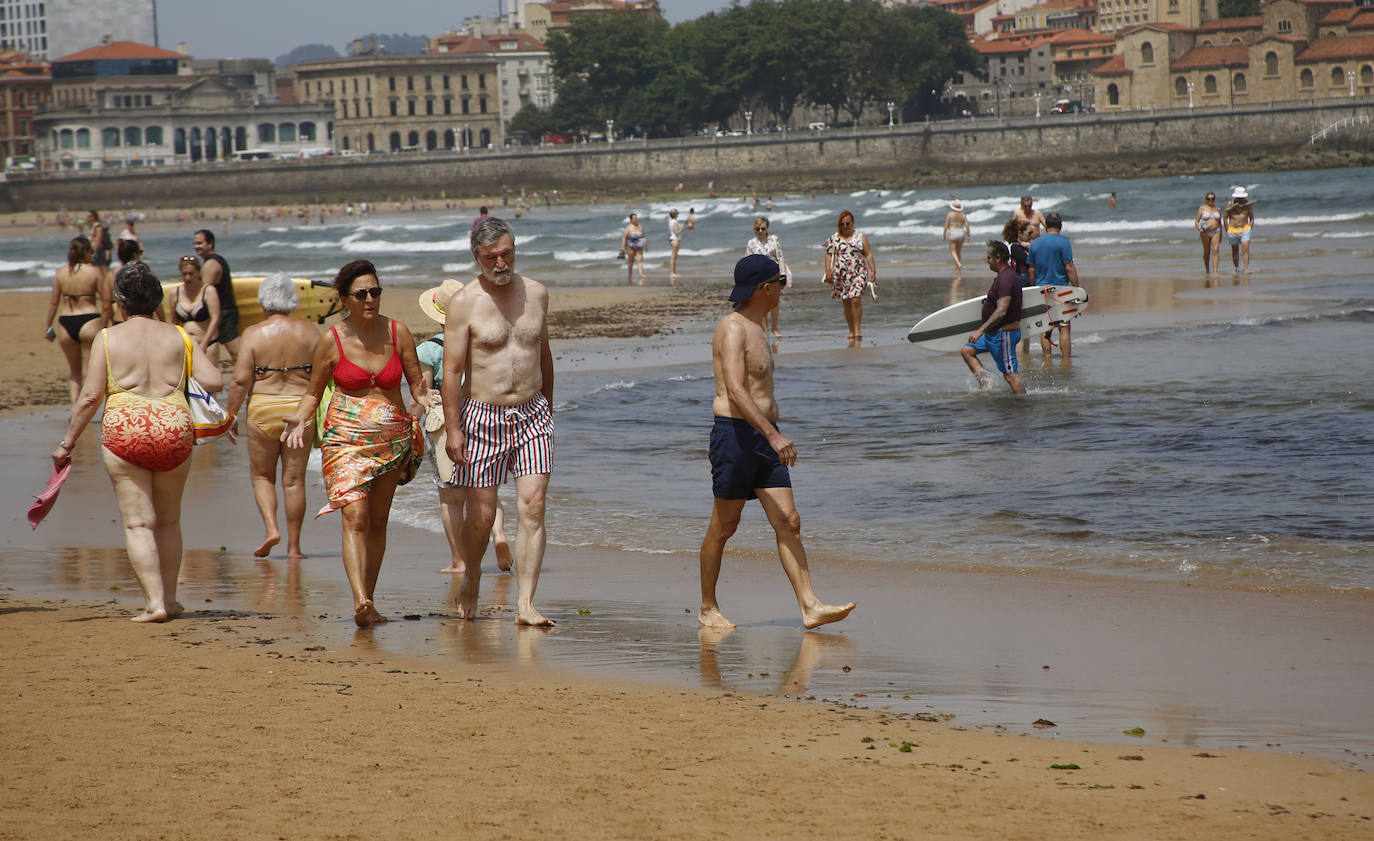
(618, 385)
(20, 265)
(701, 252)
(585, 257)
(454, 268)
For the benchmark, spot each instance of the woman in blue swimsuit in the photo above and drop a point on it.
(632, 244)
(1208, 224)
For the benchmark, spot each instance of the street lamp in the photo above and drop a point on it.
(1350, 77)
(1037, 104)
(1190, 95)
(890, 106)
(610, 131)
(748, 122)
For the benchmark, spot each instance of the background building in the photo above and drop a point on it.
(60, 27)
(25, 86)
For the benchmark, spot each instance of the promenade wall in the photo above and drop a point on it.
(1053, 147)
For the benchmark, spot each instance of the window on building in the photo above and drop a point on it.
(485, 137)
(371, 142)
(1209, 84)
(482, 105)
(481, 80)
(133, 136)
(429, 107)
(395, 140)
(1285, 25)
(429, 83)
(66, 139)
(152, 136)
(179, 142)
(1147, 53)
(431, 140)
(1271, 63)
(286, 133)
(307, 131)
(240, 138)
(410, 83)
(410, 108)
(393, 108)
(1337, 77)
(448, 106)
(343, 103)
(413, 138)
(465, 81)
(267, 133)
(465, 106)
(392, 81)
(1113, 94)
(1238, 83)
(445, 81)
(1305, 78)
(1180, 86)
(109, 137)
(1367, 75)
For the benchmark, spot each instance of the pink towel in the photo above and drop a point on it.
(44, 502)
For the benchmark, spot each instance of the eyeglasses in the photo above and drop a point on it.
(1211, 198)
(761, 228)
(361, 295)
(847, 224)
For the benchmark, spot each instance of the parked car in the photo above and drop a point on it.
(1069, 106)
(817, 126)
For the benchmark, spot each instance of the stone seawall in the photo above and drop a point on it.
(1051, 148)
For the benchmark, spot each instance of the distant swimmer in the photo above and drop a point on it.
(1001, 327)
(1111, 200)
(749, 456)
(1208, 224)
(1240, 221)
(956, 231)
(1027, 213)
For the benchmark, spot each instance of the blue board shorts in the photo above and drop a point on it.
(1237, 239)
(1002, 346)
(742, 461)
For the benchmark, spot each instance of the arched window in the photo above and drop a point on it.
(133, 136)
(152, 136)
(485, 138)
(66, 139)
(482, 105)
(179, 142)
(395, 141)
(1147, 53)
(286, 133)
(1238, 83)
(1207, 43)
(1113, 94)
(1285, 25)
(448, 138)
(1271, 63)
(345, 143)
(307, 131)
(371, 142)
(195, 147)
(240, 139)
(343, 103)
(1235, 42)
(226, 141)
(1180, 86)
(1367, 75)
(1305, 78)
(83, 138)
(431, 140)
(267, 133)
(109, 137)
(413, 139)
(211, 144)
(1209, 84)
(1337, 77)
(466, 105)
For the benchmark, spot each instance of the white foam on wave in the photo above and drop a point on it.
(618, 385)
(700, 252)
(21, 265)
(26, 289)
(585, 257)
(454, 268)
(1115, 241)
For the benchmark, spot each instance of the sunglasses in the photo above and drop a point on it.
(361, 295)
(187, 259)
(761, 228)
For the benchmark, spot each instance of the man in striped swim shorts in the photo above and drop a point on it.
(1001, 327)
(498, 396)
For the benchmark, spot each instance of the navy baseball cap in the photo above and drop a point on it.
(749, 273)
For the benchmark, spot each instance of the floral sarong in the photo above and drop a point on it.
(364, 438)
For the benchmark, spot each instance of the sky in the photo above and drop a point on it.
(269, 28)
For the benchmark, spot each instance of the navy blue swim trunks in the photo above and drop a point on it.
(742, 460)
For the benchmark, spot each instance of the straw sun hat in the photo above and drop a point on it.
(434, 301)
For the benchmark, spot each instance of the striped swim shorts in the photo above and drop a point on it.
(505, 440)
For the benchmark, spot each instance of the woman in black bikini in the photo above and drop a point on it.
(273, 372)
(79, 308)
(195, 307)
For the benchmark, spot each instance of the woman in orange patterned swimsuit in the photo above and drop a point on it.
(139, 366)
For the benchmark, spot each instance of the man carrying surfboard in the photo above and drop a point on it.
(749, 457)
(1001, 327)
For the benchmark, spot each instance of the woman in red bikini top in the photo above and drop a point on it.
(370, 443)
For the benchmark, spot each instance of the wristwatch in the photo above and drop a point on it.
(65, 446)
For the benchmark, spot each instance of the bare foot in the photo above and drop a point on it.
(272, 539)
(504, 559)
(776, 333)
(376, 617)
(467, 598)
(713, 618)
(294, 553)
(531, 617)
(824, 614)
(455, 568)
(363, 613)
(849, 336)
(175, 609)
(151, 616)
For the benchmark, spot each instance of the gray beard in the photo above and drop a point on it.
(503, 278)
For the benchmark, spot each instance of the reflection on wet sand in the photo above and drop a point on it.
(815, 650)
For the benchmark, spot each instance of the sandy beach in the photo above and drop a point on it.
(959, 702)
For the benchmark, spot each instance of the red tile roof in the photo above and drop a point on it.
(1114, 66)
(1066, 37)
(1207, 58)
(1330, 49)
(1364, 20)
(1340, 15)
(120, 49)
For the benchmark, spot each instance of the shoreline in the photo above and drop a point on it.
(268, 731)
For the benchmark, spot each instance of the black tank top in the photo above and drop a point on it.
(225, 287)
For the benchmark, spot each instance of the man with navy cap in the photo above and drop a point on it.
(749, 457)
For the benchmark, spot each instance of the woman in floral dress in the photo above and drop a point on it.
(766, 244)
(849, 268)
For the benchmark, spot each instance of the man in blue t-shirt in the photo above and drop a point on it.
(1051, 264)
(1001, 327)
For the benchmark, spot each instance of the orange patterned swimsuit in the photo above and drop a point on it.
(154, 433)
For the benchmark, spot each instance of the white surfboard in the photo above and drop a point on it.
(948, 329)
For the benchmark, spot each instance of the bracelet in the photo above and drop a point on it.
(64, 446)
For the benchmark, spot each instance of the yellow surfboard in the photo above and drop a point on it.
(318, 300)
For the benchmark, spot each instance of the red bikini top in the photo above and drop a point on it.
(352, 377)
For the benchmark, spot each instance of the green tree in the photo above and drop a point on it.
(1237, 8)
(532, 119)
